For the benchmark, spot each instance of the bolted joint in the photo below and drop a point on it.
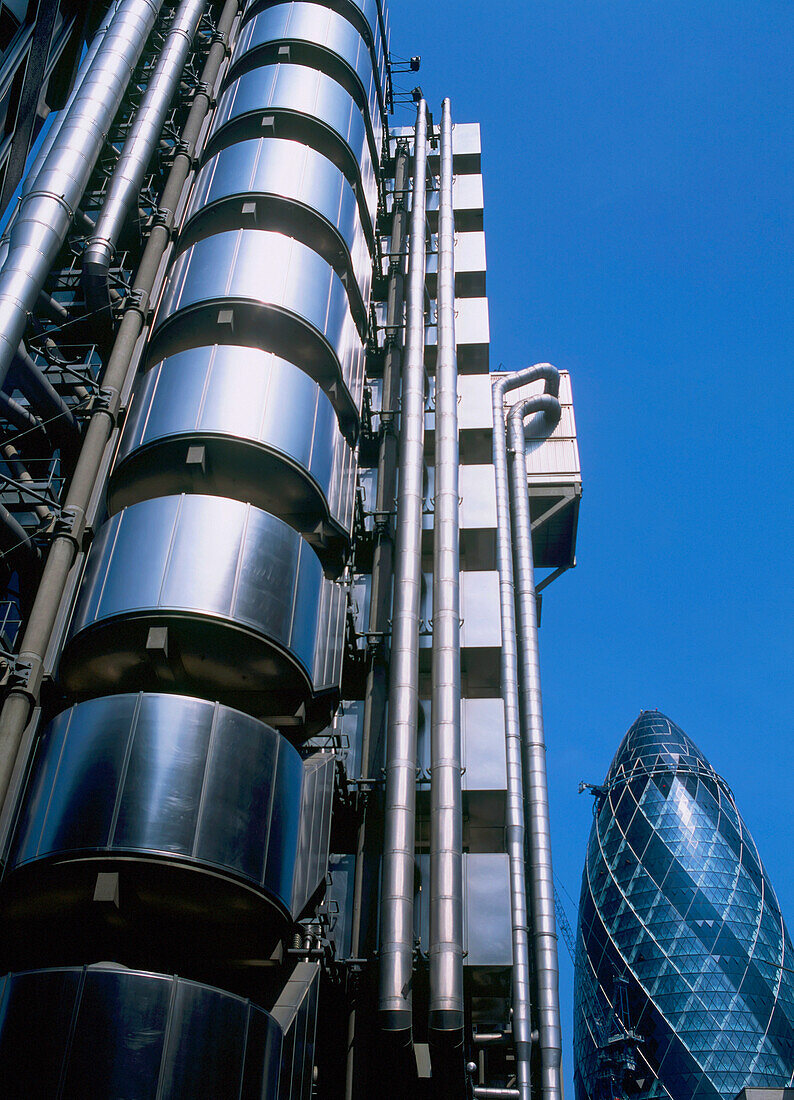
(71, 524)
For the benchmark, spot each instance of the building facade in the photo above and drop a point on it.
(271, 752)
(683, 983)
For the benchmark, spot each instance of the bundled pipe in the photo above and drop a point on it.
(17, 707)
(57, 418)
(376, 692)
(541, 881)
(46, 211)
(55, 127)
(397, 887)
(446, 815)
(514, 810)
(137, 152)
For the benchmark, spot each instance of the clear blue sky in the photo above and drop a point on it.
(638, 161)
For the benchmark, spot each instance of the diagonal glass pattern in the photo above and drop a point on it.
(675, 903)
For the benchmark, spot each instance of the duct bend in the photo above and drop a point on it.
(57, 419)
(514, 811)
(46, 211)
(397, 884)
(446, 1014)
(138, 149)
(541, 883)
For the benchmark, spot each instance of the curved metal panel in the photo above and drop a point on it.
(274, 183)
(260, 289)
(105, 1031)
(363, 14)
(307, 34)
(125, 780)
(293, 101)
(211, 597)
(267, 435)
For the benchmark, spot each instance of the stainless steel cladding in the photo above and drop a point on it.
(210, 817)
(273, 183)
(261, 289)
(114, 1032)
(240, 423)
(305, 34)
(292, 101)
(368, 17)
(214, 598)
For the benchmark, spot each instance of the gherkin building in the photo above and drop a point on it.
(684, 969)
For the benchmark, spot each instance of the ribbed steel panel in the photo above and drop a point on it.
(107, 1032)
(274, 183)
(363, 14)
(250, 618)
(210, 817)
(260, 289)
(269, 437)
(293, 101)
(305, 33)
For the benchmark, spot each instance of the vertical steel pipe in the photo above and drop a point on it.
(46, 211)
(397, 886)
(376, 692)
(514, 813)
(536, 798)
(57, 122)
(141, 143)
(446, 811)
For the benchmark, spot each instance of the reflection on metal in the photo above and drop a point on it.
(209, 817)
(296, 1014)
(515, 824)
(45, 213)
(545, 968)
(122, 196)
(104, 1031)
(397, 893)
(367, 16)
(272, 183)
(240, 423)
(261, 289)
(214, 598)
(304, 34)
(291, 101)
(446, 815)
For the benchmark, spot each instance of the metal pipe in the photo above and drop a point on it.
(139, 147)
(21, 474)
(22, 695)
(397, 890)
(541, 882)
(446, 810)
(514, 810)
(376, 692)
(46, 212)
(57, 122)
(496, 1094)
(59, 422)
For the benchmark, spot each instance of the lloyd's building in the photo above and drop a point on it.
(272, 761)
